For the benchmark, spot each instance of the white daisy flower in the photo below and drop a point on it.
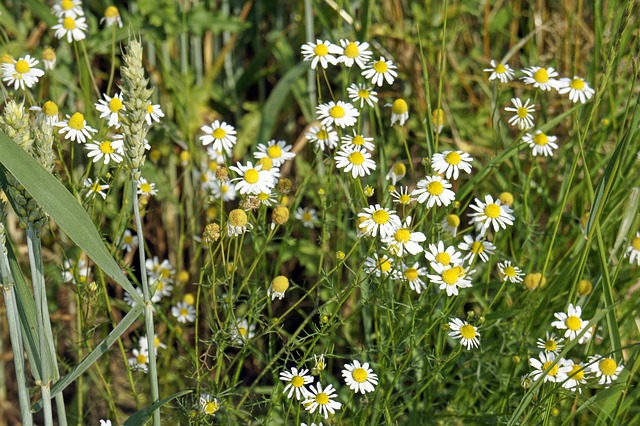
(379, 220)
(72, 28)
(450, 224)
(576, 379)
(355, 52)
(105, 422)
(361, 93)
(321, 399)
(404, 240)
(144, 344)
(111, 17)
(360, 377)
(502, 72)
(140, 360)
(75, 128)
(450, 278)
(321, 52)
(467, 333)
(109, 150)
(154, 113)
(146, 188)
(572, 322)
(95, 188)
(75, 271)
(509, 272)
(402, 196)
(558, 372)
(551, 343)
(48, 113)
(208, 404)
(221, 134)
(237, 223)
(277, 151)
(437, 254)
(378, 266)
(541, 143)
(355, 160)
(296, 381)
(413, 275)
(67, 8)
(633, 250)
(307, 216)
(324, 137)
(224, 190)
(279, 286)
(111, 108)
(476, 247)
(21, 73)
(379, 71)
(396, 173)
(523, 118)
(128, 242)
(252, 180)
(578, 89)
(341, 114)
(606, 370)
(184, 312)
(433, 190)
(399, 112)
(358, 141)
(490, 213)
(450, 163)
(542, 78)
(243, 331)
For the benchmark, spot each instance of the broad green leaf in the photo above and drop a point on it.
(141, 417)
(63, 208)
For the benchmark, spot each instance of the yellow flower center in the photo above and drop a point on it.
(306, 217)
(237, 217)
(550, 345)
(266, 163)
(522, 112)
(322, 398)
(111, 12)
(380, 217)
(336, 111)
(384, 265)
(69, 24)
(141, 358)
(297, 381)
(150, 108)
(128, 239)
(242, 331)
(437, 115)
(453, 220)
(380, 67)
(468, 331)
(211, 407)
(115, 104)
(219, 133)
(411, 274)
(405, 199)
(443, 258)
(263, 196)
(184, 312)
(492, 210)
(506, 198)
(399, 169)
(608, 366)
(450, 276)
(251, 176)
(274, 151)
(351, 51)
(357, 140)
(477, 247)
(145, 187)
(76, 122)
(541, 76)
(323, 135)
(540, 139)
(22, 66)
(50, 109)
(359, 375)
(96, 187)
(435, 188)
(577, 372)
(66, 4)
(356, 158)
(321, 50)
(577, 83)
(551, 372)
(106, 147)
(363, 93)
(280, 284)
(500, 69)
(399, 107)
(636, 243)
(453, 158)
(402, 236)
(48, 54)
(573, 323)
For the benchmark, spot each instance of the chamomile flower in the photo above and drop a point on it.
(140, 360)
(75, 271)
(296, 381)
(541, 143)
(437, 120)
(341, 114)
(490, 213)
(542, 78)
(223, 189)
(49, 58)
(397, 172)
(523, 119)
(105, 422)
(379, 71)
(64, 8)
(399, 112)
(450, 224)
(402, 196)
(360, 377)
(378, 266)
(433, 190)
(502, 72)
(128, 242)
(379, 220)
(154, 113)
(437, 254)
(576, 376)
(355, 52)
(450, 278)
(111, 108)
(267, 198)
(109, 150)
(606, 370)
(307, 216)
(144, 344)
(75, 128)
(355, 160)
(183, 312)
(467, 333)
(111, 17)
(324, 137)
(321, 52)
(361, 93)
(48, 113)
(208, 404)
(321, 399)
(633, 250)
(95, 188)
(277, 151)
(221, 134)
(72, 28)
(243, 331)
(237, 223)
(358, 141)
(557, 373)
(551, 343)
(476, 247)
(279, 285)
(572, 322)
(509, 272)
(21, 73)
(268, 166)
(252, 180)
(413, 275)
(404, 240)
(578, 89)
(146, 188)
(450, 163)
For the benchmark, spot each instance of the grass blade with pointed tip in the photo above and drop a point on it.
(143, 416)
